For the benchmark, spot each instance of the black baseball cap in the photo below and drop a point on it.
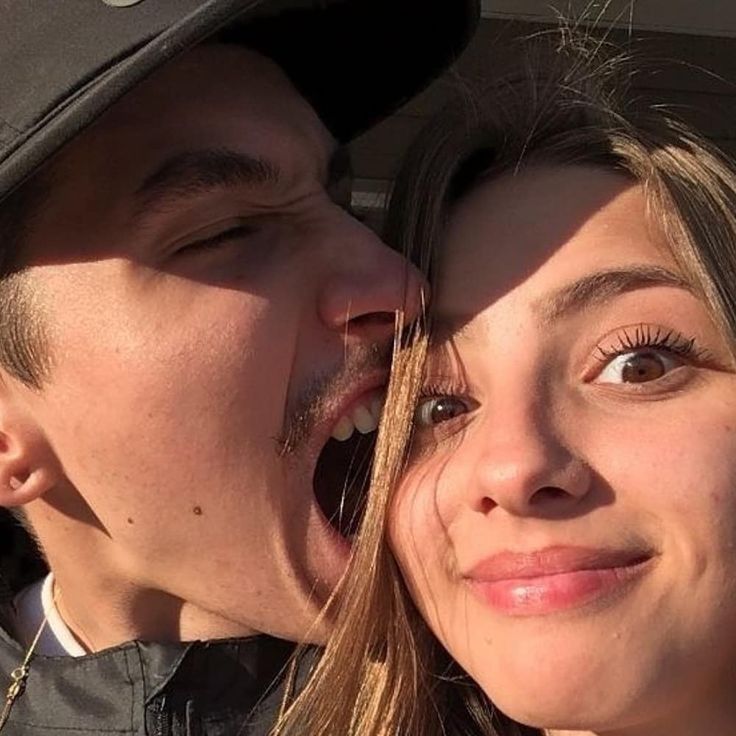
(63, 62)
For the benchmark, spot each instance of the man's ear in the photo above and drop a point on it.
(21, 487)
(28, 465)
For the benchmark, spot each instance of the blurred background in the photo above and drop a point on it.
(692, 42)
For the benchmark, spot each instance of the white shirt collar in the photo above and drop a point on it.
(33, 604)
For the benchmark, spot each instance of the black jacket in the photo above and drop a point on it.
(223, 688)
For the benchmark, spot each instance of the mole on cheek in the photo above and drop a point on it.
(130, 521)
(197, 510)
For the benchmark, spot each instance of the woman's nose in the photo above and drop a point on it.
(525, 466)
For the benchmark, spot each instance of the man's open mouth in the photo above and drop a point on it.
(343, 471)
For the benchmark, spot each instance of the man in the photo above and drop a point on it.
(188, 314)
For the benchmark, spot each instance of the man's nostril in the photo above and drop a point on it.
(373, 319)
(549, 493)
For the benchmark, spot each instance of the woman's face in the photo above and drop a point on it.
(567, 523)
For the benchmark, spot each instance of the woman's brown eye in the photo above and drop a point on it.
(437, 409)
(642, 368)
(638, 366)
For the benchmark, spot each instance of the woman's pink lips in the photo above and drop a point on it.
(553, 579)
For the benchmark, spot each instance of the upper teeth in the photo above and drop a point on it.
(363, 417)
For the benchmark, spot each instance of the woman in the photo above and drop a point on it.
(565, 516)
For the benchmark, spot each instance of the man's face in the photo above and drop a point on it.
(212, 313)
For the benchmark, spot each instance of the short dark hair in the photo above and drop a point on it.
(24, 351)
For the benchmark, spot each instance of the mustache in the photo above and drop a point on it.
(312, 403)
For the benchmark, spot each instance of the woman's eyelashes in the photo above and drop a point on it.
(643, 353)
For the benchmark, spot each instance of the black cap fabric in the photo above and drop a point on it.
(63, 62)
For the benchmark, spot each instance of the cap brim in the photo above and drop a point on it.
(356, 61)
(359, 61)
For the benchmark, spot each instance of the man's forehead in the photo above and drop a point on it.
(215, 96)
(211, 80)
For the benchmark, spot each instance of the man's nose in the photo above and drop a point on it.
(367, 284)
(526, 467)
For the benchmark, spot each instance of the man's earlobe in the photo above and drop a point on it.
(27, 471)
(22, 488)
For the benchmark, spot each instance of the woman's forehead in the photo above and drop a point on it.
(541, 228)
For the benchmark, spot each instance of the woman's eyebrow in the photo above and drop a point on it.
(597, 288)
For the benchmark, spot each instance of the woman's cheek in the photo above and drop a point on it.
(419, 539)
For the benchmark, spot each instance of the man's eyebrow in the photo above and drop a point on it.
(598, 288)
(196, 172)
(591, 290)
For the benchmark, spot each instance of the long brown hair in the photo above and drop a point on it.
(383, 674)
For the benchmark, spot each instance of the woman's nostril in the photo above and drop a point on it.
(487, 505)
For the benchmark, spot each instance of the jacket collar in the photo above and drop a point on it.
(224, 681)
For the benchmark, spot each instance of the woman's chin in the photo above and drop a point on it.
(547, 712)
(559, 709)
(544, 706)
(557, 690)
